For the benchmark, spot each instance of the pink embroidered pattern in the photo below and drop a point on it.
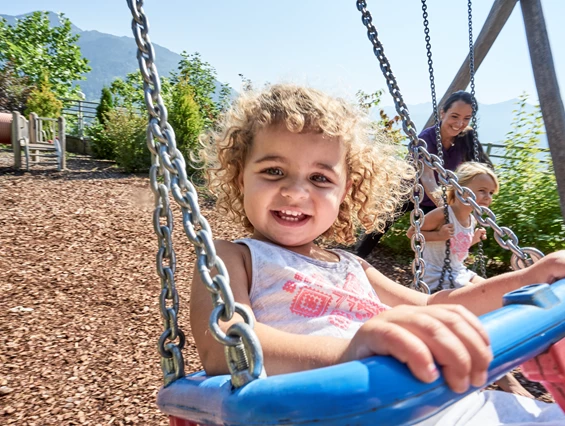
(460, 244)
(312, 300)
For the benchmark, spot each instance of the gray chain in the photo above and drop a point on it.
(446, 269)
(417, 215)
(480, 257)
(243, 350)
(521, 257)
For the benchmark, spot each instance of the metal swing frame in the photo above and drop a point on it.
(346, 392)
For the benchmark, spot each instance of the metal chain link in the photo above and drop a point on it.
(243, 350)
(479, 255)
(521, 257)
(446, 269)
(417, 216)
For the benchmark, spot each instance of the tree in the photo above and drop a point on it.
(201, 76)
(106, 105)
(184, 117)
(43, 101)
(128, 93)
(34, 49)
(14, 90)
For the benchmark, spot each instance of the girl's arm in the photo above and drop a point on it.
(434, 227)
(413, 335)
(479, 298)
(486, 295)
(283, 352)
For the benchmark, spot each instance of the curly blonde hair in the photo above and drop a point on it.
(380, 179)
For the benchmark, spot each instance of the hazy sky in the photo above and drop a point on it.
(323, 42)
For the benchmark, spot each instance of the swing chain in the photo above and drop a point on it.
(521, 258)
(168, 174)
(479, 256)
(446, 269)
(417, 216)
(472, 79)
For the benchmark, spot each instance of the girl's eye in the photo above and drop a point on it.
(273, 171)
(320, 179)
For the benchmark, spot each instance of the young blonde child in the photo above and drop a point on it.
(295, 166)
(462, 231)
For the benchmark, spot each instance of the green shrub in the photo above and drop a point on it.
(528, 202)
(102, 146)
(184, 117)
(127, 130)
(43, 101)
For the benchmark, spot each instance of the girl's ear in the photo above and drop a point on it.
(441, 114)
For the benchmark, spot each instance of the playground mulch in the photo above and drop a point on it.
(79, 317)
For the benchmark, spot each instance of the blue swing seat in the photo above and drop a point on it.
(378, 390)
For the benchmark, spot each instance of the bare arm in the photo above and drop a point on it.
(414, 335)
(283, 352)
(428, 180)
(479, 298)
(434, 227)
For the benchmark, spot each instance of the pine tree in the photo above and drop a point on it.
(105, 106)
(185, 118)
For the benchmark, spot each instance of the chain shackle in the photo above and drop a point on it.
(245, 364)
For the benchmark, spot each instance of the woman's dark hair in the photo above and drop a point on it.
(466, 138)
(460, 95)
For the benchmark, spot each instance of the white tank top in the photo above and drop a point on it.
(301, 295)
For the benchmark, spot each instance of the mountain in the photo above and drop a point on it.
(110, 57)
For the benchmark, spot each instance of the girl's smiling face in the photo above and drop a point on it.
(456, 118)
(293, 185)
(484, 187)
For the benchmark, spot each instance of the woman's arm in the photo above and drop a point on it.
(429, 182)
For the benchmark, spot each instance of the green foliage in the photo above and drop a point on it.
(102, 146)
(34, 49)
(43, 101)
(106, 105)
(528, 202)
(201, 76)
(14, 90)
(184, 117)
(126, 129)
(368, 101)
(129, 93)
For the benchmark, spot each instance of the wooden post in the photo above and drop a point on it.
(62, 141)
(497, 17)
(548, 89)
(16, 136)
(34, 136)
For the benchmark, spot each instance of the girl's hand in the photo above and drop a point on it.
(479, 235)
(447, 231)
(418, 335)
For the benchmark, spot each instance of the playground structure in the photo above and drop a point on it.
(41, 140)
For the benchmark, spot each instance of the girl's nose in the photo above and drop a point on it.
(294, 189)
